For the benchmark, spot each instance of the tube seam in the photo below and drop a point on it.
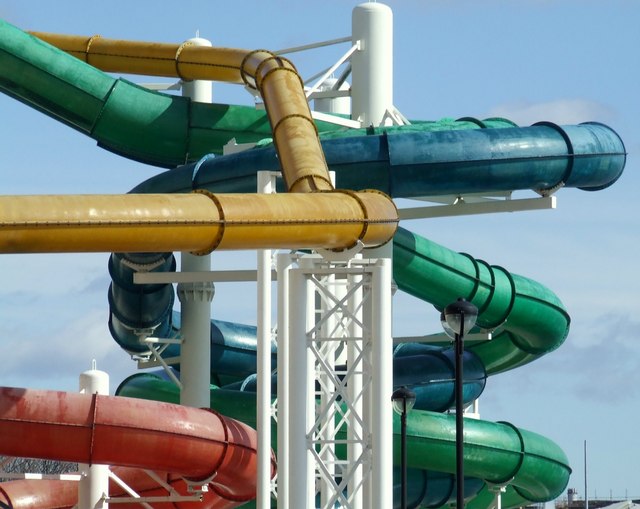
(570, 157)
(88, 46)
(522, 454)
(221, 220)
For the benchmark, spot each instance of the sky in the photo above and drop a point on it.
(566, 61)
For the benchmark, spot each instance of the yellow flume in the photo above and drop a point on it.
(275, 77)
(198, 222)
(331, 219)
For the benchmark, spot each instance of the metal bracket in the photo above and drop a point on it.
(472, 204)
(156, 347)
(172, 494)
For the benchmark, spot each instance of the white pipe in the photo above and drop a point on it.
(263, 495)
(301, 479)
(93, 487)
(382, 386)
(195, 298)
(200, 91)
(195, 351)
(372, 65)
(283, 267)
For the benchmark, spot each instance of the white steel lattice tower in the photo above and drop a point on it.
(339, 353)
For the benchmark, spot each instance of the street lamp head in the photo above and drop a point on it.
(459, 317)
(403, 400)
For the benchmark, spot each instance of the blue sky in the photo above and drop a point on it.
(566, 61)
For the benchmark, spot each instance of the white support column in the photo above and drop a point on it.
(283, 268)
(195, 298)
(195, 350)
(498, 490)
(301, 393)
(93, 487)
(266, 185)
(337, 408)
(382, 378)
(200, 91)
(372, 64)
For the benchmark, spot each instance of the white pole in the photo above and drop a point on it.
(200, 91)
(93, 487)
(498, 490)
(301, 395)
(284, 265)
(195, 298)
(382, 385)
(372, 64)
(263, 496)
(195, 351)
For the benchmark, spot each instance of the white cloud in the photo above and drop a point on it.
(54, 360)
(560, 111)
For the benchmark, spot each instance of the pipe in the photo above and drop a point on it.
(433, 159)
(372, 64)
(94, 483)
(193, 443)
(200, 222)
(275, 77)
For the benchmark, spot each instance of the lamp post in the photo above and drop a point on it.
(457, 320)
(403, 401)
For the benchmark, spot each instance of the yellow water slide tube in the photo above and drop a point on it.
(320, 218)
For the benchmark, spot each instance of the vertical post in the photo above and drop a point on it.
(586, 493)
(459, 345)
(93, 487)
(372, 64)
(195, 351)
(195, 298)
(263, 496)
(301, 393)
(403, 454)
(200, 91)
(498, 490)
(284, 264)
(382, 386)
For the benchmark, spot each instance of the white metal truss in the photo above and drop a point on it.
(335, 448)
(475, 203)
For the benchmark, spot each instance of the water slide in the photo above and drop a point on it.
(192, 446)
(427, 158)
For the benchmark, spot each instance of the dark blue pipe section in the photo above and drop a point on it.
(430, 372)
(138, 308)
(414, 163)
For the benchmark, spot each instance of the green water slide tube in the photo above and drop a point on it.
(535, 469)
(154, 128)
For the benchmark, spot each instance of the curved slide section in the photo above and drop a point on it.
(119, 115)
(496, 453)
(530, 319)
(193, 444)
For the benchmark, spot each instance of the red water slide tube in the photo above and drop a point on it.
(188, 445)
